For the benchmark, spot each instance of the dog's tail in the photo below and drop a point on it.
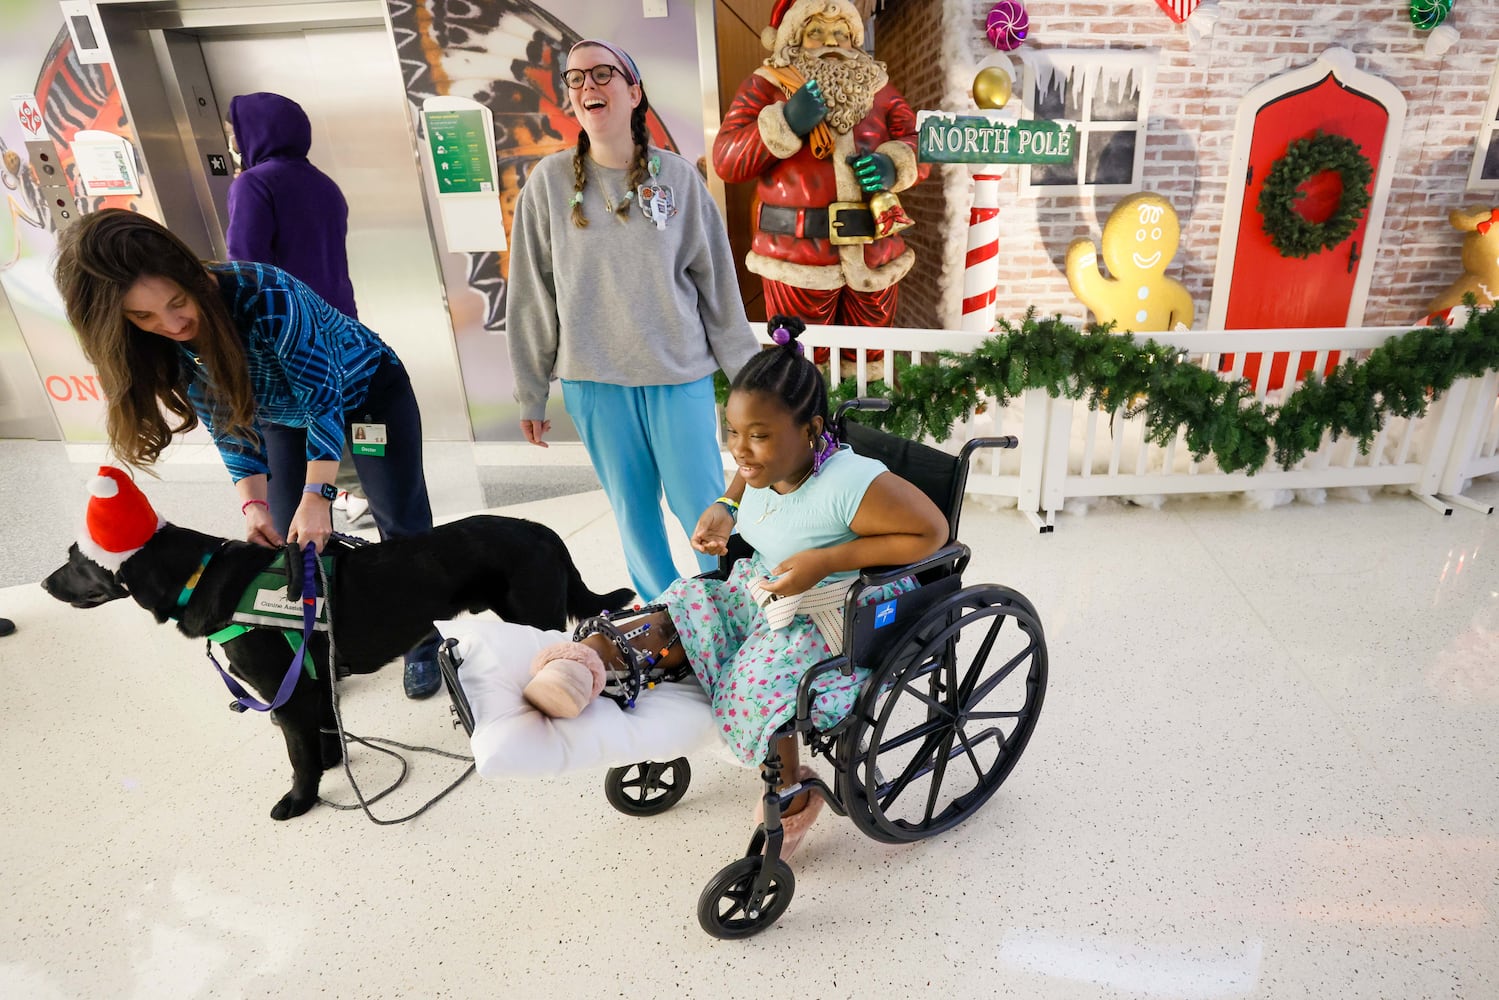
(584, 603)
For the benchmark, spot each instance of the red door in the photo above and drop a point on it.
(1269, 290)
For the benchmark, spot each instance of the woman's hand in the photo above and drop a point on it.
(799, 573)
(534, 430)
(259, 528)
(711, 537)
(313, 522)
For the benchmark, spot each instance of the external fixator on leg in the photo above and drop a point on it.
(638, 654)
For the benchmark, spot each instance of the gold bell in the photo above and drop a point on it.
(889, 217)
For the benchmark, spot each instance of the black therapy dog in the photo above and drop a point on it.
(384, 599)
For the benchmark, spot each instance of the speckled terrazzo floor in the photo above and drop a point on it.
(1266, 767)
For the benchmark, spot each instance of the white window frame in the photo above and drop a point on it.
(1039, 62)
(1488, 133)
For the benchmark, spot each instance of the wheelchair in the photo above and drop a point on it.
(956, 679)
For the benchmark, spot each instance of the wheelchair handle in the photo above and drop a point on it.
(974, 444)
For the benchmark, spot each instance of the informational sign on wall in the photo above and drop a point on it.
(105, 163)
(460, 139)
(459, 142)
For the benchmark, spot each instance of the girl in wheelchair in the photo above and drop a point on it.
(815, 514)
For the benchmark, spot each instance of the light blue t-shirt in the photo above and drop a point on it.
(815, 516)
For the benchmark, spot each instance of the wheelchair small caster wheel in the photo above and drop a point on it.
(724, 909)
(647, 788)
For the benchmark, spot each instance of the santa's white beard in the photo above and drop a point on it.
(848, 85)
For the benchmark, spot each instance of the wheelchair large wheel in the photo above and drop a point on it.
(943, 720)
(647, 788)
(724, 909)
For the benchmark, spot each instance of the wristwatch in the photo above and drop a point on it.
(327, 491)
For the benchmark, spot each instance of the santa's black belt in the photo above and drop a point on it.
(852, 222)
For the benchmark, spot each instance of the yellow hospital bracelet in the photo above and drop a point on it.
(731, 506)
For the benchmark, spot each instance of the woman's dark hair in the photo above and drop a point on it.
(786, 373)
(99, 259)
(639, 170)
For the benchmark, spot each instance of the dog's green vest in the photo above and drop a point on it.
(264, 605)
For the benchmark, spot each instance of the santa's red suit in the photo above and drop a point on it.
(805, 274)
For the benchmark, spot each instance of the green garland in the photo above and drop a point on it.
(1287, 228)
(1220, 416)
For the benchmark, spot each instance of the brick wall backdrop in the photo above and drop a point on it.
(931, 44)
(908, 39)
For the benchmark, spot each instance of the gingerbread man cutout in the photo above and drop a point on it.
(1480, 276)
(1139, 241)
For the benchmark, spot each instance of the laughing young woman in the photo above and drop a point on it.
(623, 286)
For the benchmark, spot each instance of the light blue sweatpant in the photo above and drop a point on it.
(642, 439)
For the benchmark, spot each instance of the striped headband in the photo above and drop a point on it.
(632, 74)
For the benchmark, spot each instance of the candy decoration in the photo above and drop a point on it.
(981, 261)
(1178, 10)
(1007, 24)
(1427, 14)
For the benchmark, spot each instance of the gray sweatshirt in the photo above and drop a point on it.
(620, 302)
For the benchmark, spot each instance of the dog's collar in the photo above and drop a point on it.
(192, 581)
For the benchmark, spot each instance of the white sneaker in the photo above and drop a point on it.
(341, 502)
(355, 507)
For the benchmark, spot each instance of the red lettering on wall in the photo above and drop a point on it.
(87, 387)
(74, 388)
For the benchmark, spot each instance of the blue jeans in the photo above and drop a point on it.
(643, 439)
(393, 483)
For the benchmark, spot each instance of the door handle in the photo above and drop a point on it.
(1353, 257)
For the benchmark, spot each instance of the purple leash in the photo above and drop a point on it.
(242, 698)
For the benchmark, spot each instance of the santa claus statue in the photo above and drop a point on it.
(828, 141)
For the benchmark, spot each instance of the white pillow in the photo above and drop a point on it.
(513, 740)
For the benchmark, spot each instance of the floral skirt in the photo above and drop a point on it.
(751, 670)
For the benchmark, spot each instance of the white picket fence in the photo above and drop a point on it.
(1068, 452)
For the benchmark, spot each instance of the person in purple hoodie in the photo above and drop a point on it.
(282, 209)
(285, 211)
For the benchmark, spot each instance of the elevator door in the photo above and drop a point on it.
(348, 82)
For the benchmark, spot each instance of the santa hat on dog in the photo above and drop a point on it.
(119, 519)
(789, 17)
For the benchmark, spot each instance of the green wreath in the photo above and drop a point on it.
(1287, 228)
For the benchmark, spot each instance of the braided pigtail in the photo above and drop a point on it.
(580, 180)
(638, 168)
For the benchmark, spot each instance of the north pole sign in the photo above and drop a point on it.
(946, 138)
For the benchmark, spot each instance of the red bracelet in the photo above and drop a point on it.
(245, 506)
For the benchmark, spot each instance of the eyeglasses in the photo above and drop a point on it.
(601, 76)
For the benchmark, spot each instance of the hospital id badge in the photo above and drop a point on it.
(367, 439)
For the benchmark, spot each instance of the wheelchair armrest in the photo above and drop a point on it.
(877, 576)
(804, 692)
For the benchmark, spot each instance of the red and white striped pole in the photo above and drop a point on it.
(981, 262)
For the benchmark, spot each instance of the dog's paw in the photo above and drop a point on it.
(291, 805)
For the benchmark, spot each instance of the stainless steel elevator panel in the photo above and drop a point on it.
(180, 65)
(347, 81)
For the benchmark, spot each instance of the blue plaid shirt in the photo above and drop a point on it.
(309, 364)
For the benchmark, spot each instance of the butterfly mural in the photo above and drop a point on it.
(72, 97)
(509, 56)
